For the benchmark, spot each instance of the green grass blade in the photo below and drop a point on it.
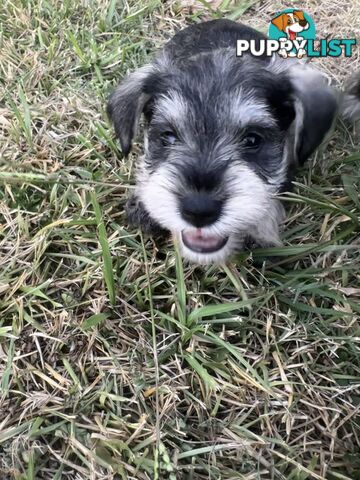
(94, 320)
(209, 381)
(107, 259)
(217, 309)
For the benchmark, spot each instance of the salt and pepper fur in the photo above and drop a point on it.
(198, 88)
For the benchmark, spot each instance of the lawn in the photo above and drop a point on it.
(118, 361)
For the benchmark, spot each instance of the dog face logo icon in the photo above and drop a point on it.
(291, 23)
(295, 26)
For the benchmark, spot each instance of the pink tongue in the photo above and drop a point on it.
(292, 35)
(196, 239)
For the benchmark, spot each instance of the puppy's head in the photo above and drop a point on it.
(221, 139)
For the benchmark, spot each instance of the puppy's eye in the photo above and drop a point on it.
(252, 141)
(168, 138)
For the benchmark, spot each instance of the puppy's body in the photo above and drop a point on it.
(223, 136)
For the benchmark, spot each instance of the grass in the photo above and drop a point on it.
(119, 362)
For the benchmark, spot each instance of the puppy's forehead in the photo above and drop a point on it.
(236, 108)
(216, 91)
(172, 107)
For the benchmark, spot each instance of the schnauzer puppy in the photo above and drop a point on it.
(223, 136)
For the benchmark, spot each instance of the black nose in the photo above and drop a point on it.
(200, 209)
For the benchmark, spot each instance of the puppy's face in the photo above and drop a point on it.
(214, 158)
(219, 145)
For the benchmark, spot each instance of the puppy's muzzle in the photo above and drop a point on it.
(201, 210)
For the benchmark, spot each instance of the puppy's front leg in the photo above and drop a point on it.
(139, 217)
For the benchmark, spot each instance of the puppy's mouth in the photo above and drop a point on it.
(199, 242)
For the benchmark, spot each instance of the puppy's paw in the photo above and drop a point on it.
(259, 257)
(251, 243)
(139, 217)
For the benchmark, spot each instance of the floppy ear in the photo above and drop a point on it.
(316, 105)
(126, 104)
(279, 21)
(299, 14)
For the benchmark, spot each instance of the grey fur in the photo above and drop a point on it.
(205, 109)
(350, 108)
